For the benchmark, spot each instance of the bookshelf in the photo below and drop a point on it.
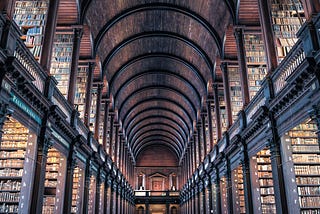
(238, 191)
(224, 196)
(214, 197)
(287, 18)
(16, 154)
(265, 181)
(61, 60)
(223, 111)
(101, 197)
(92, 195)
(80, 95)
(31, 17)
(101, 123)
(306, 160)
(77, 190)
(214, 124)
(235, 91)
(256, 62)
(54, 182)
(92, 119)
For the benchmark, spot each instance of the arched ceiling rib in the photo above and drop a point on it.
(158, 57)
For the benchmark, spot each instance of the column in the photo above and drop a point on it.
(147, 203)
(98, 112)
(44, 143)
(238, 32)
(74, 64)
(277, 171)
(229, 188)
(111, 134)
(98, 186)
(195, 142)
(88, 94)
(246, 178)
(116, 145)
(218, 191)
(117, 200)
(210, 195)
(50, 30)
(226, 87)
(204, 134)
(217, 110)
(204, 198)
(194, 201)
(111, 198)
(105, 124)
(268, 36)
(106, 199)
(7, 6)
(199, 144)
(310, 7)
(71, 164)
(86, 187)
(3, 116)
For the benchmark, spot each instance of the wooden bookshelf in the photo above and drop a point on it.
(31, 17)
(256, 62)
(92, 119)
(101, 123)
(92, 194)
(238, 191)
(61, 60)
(54, 182)
(16, 155)
(223, 111)
(77, 190)
(265, 181)
(80, 94)
(235, 91)
(224, 195)
(287, 18)
(306, 160)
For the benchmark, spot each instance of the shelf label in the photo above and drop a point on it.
(16, 100)
(81, 157)
(60, 138)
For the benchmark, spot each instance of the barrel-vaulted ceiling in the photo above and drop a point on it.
(158, 57)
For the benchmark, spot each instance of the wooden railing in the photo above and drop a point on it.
(59, 100)
(288, 66)
(27, 60)
(258, 101)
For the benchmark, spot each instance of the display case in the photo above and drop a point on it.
(256, 61)
(61, 59)
(54, 182)
(77, 190)
(235, 91)
(238, 191)
(306, 159)
(31, 17)
(287, 18)
(81, 86)
(17, 152)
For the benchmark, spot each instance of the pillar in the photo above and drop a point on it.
(226, 87)
(204, 210)
(110, 152)
(210, 126)
(267, 34)
(71, 164)
(98, 112)
(88, 94)
(86, 187)
(98, 189)
(44, 143)
(74, 65)
(105, 124)
(204, 134)
(50, 30)
(217, 110)
(238, 32)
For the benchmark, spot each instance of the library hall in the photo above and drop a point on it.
(159, 106)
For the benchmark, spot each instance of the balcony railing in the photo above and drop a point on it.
(149, 193)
